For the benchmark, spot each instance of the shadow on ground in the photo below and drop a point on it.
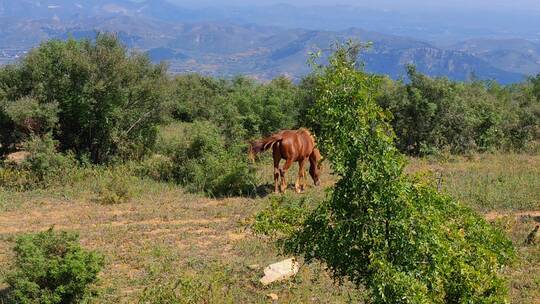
(4, 295)
(263, 191)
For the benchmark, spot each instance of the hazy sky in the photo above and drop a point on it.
(481, 4)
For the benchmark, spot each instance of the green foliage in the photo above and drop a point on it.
(30, 117)
(108, 102)
(282, 217)
(43, 167)
(44, 162)
(264, 109)
(401, 239)
(51, 267)
(436, 114)
(535, 86)
(190, 290)
(15, 179)
(204, 161)
(195, 97)
(117, 188)
(241, 107)
(157, 167)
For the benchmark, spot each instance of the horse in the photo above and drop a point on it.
(293, 146)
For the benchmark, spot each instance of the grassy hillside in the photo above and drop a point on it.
(99, 141)
(163, 237)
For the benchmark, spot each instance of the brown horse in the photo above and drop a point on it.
(293, 146)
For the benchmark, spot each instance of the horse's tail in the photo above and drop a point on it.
(262, 145)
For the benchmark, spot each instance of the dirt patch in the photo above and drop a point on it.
(152, 222)
(236, 236)
(523, 214)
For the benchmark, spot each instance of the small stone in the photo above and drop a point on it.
(254, 266)
(272, 296)
(280, 271)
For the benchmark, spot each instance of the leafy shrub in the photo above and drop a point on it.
(117, 187)
(379, 228)
(282, 217)
(194, 97)
(157, 167)
(434, 114)
(32, 118)
(108, 101)
(44, 162)
(43, 167)
(263, 109)
(241, 108)
(15, 179)
(51, 267)
(204, 162)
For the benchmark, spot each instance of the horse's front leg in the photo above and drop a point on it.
(299, 185)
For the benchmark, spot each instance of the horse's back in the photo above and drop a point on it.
(308, 143)
(296, 144)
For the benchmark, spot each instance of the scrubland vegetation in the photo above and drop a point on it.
(152, 172)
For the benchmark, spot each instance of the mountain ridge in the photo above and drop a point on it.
(223, 48)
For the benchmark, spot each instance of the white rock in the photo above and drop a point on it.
(280, 271)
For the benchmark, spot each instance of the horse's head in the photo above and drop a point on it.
(315, 166)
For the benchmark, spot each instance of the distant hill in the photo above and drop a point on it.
(176, 35)
(515, 55)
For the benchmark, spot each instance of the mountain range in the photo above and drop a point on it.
(223, 42)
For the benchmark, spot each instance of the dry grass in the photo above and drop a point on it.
(488, 182)
(163, 235)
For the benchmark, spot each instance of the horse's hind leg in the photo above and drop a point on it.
(277, 159)
(283, 172)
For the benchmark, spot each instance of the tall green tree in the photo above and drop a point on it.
(378, 227)
(108, 100)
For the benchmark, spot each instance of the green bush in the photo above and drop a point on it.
(43, 167)
(15, 179)
(31, 118)
(282, 216)
(205, 162)
(200, 157)
(437, 114)
(241, 108)
(157, 167)
(108, 100)
(378, 227)
(118, 187)
(52, 268)
(194, 97)
(44, 162)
